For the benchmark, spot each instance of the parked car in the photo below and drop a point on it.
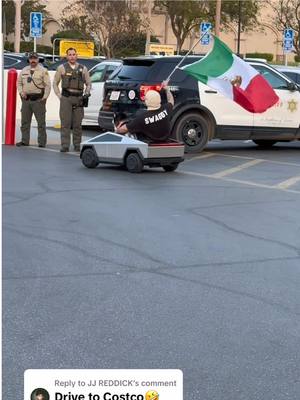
(17, 61)
(292, 72)
(87, 62)
(99, 74)
(200, 113)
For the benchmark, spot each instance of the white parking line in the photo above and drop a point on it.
(289, 182)
(236, 169)
(250, 158)
(248, 183)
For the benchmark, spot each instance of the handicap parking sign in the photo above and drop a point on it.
(288, 37)
(36, 24)
(204, 26)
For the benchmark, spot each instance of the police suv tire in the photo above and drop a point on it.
(170, 168)
(89, 158)
(266, 144)
(134, 163)
(192, 130)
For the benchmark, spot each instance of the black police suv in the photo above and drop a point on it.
(201, 113)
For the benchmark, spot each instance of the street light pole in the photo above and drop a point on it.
(218, 18)
(18, 5)
(148, 37)
(239, 29)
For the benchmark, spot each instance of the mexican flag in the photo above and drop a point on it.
(234, 78)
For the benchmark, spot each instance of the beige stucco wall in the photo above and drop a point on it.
(267, 40)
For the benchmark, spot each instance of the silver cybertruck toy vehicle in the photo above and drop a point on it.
(113, 148)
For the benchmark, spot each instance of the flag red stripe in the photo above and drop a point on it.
(257, 97)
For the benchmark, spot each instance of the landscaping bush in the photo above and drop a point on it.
(266, 56)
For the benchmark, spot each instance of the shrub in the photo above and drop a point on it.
(297, 58)
(266, 56)
(26, 47)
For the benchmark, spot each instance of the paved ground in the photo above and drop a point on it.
(197, 269)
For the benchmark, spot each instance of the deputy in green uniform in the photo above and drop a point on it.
(75, 82)
(34, 87)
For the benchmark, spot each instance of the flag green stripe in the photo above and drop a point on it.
(216, 63)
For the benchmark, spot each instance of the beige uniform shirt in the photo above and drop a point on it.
(40, 80)
(61, 71)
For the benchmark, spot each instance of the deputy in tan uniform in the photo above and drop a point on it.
(75, 82)
(34, 87)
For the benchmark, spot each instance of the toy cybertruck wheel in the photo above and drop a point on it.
(170, 168)
(134, 163)
(89, 158)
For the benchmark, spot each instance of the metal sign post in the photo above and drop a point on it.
(36, 26)
(288, 39)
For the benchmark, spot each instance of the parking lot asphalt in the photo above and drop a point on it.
(196, 269)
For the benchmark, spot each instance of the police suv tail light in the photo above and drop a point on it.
(144, 89)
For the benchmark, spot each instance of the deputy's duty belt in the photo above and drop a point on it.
(68, 93)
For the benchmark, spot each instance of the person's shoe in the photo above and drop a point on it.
(19, 144)
(64, 150)
(42, 145)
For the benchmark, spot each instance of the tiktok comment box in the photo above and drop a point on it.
(103, 384)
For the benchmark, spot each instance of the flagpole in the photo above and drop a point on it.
(181, 61)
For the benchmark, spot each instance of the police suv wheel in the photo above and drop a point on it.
(89, 158)
(192, 130)
(266, 144)
(134, 163)
(170, 168)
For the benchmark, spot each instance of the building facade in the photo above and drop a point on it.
(265, 39)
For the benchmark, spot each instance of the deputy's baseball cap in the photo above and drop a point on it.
(33, 54)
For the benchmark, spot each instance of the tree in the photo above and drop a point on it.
(287, 15)
(230, 12)
(8, 11)
(106, 21)
(184, 16)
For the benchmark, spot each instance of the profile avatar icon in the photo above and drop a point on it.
(151, 395)
(39, 394)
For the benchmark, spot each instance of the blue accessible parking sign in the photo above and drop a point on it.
(288, 37)
(36, 24)
(204, 26)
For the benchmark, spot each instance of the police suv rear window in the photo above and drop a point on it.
(135, 69)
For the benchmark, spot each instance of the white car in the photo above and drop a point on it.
(99, 74)
(292, 72)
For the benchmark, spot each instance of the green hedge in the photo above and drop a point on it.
(266, 56)
(297, 58)
(28, 46)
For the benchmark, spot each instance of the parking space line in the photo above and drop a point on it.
(248, 183)
(288, 183)
(204, 155)
(230, 171)
(254, 158)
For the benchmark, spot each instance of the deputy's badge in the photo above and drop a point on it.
(292, 105)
